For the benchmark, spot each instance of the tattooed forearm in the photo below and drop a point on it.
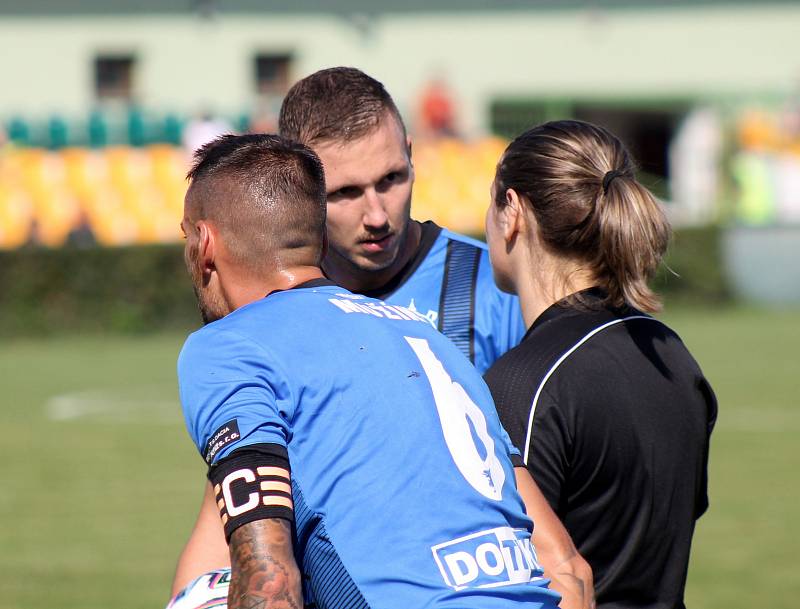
(264, 572)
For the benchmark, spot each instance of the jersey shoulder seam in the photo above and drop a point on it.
(563, 357)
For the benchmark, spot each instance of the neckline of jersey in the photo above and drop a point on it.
(593, 297)
(317, 282)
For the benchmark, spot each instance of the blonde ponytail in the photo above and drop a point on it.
(578, 180)
(633, 236)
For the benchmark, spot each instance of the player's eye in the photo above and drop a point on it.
(346, 192)
(391, 178)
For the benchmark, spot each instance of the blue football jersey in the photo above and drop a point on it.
(450, 282)
(403, 488)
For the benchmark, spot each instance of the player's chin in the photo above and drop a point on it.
(376, 261)
(211, 309)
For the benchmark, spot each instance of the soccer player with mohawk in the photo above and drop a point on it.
(375, 248)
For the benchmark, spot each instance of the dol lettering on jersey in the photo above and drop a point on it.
(497, 557)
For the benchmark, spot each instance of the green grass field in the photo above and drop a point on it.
(100, 483)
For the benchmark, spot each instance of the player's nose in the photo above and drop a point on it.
(375, 215)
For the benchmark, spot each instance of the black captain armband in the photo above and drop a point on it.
(252, 483)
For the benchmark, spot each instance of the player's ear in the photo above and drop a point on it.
(207, 246)
(410, 159)
(514, 217)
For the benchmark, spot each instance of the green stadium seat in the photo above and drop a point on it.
(19, 131)
(97, 128)
(57, 133)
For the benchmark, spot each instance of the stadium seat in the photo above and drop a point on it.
(57, 133)
(16, 215)
(19, 132)
(135, 195)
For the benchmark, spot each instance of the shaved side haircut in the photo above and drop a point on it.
(266, 195)
(337, 104)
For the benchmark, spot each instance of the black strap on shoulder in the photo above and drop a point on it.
(457, 299)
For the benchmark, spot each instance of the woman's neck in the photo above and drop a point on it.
(543, 282)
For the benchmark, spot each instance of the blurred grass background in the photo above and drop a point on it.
(101, 484)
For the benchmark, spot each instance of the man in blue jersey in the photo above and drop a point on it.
(303, 398)
(376, 249)
(350, 120)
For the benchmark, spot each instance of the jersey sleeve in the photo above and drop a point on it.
(513, 452)
(711, 419)
(549, 450)
(232, 393)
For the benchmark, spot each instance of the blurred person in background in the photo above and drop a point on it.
(202, 129)
(34, 238)
(436, 115)
(81, 234)
(376, 249)
(610, 410)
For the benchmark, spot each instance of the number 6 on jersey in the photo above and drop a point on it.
(456, 412)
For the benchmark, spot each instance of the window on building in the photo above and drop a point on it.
(272, 73)
(113, 77)
(645, 127)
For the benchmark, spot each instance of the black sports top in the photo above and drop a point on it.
(613, 417)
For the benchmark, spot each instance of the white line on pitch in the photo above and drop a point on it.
(110, 406)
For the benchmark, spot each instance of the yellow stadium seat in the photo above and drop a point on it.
(16, 214)
(56, 216)
(136, 195)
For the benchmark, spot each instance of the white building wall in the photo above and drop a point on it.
(188, 62)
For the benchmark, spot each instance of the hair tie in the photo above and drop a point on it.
(610, 175)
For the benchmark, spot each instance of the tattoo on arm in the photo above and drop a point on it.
(264, 573)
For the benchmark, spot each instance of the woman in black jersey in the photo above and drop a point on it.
(611, 412)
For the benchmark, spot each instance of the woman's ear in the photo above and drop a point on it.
(514, 221)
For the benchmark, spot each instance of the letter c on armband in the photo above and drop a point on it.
(252, 483)
(252, 501)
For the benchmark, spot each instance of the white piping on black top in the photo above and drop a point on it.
(550, 372)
